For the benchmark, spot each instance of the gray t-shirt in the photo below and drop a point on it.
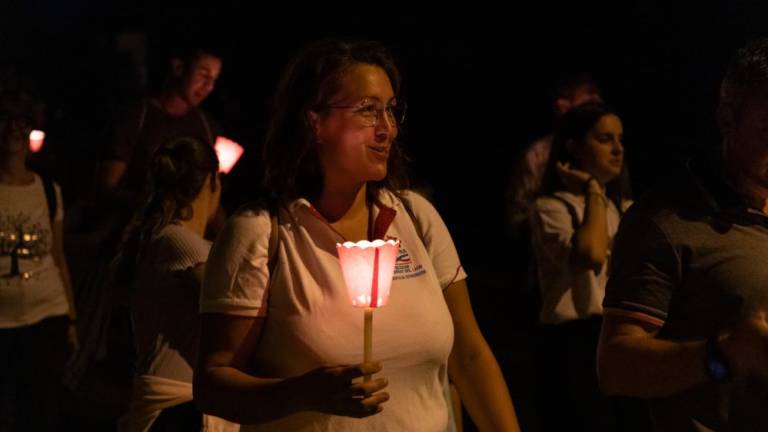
(165, 304)
(695, 258)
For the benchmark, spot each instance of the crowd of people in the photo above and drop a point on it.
(651, 311)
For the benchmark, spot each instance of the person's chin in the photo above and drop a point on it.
(610, 173)
(379, 174)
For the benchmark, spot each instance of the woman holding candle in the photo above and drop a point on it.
(272, 327)
(573, 226)
(37, 309)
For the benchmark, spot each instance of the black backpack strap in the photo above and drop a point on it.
(408, 209)
(571, 211)
(50, 196)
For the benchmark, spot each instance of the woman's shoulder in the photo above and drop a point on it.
(248, 229)
(178, 248)
(180, 238)
(559, 200)
(414, 201)
(249, 220)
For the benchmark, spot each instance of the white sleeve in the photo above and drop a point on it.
(553, 229)
(437, 240)
(177, 249)
(237, 274)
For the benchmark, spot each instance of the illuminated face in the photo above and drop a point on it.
(198, 81)
(355, 132)
(602, 153)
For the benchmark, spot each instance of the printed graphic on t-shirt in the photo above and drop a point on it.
(405, 267)
(21, 239)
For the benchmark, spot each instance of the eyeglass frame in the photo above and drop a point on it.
(388, 109)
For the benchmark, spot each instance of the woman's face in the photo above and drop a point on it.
(602, 153)
(14, 135)
(355, 133)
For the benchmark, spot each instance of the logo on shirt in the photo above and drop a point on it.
(405, 267)
(21, 239)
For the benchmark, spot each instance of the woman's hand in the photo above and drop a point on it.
(330, 390)
(574, 180)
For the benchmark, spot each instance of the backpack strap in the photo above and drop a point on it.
(50, 197)
(412, 215)
(571, 211)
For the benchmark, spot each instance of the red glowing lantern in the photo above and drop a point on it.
(368, 268)
(36, 138)
(228, 152)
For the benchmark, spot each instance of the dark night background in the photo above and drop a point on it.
(477, 82)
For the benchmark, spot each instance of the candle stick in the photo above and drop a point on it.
(368, 268)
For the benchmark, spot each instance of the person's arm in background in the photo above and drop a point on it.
(590, 241)
(632, 359)
(473, 367)
(119, 150)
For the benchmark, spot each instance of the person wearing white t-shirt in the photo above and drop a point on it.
(576, 216)
(280, 349)
(37, 312)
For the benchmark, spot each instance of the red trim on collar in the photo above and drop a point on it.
(377, 230)
(383, 221)
(322, 218)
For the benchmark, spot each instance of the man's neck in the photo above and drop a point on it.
(14, 171)
(172, 103)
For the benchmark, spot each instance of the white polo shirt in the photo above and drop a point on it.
(309, 319)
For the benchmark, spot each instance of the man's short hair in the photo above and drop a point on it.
(567, 86)
(747, 69)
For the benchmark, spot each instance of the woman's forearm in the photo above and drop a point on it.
(234, 395)
(484, 391)
(590, 240)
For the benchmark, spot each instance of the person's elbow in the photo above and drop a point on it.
(616, 376)
(200, 393)
(610, 371)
